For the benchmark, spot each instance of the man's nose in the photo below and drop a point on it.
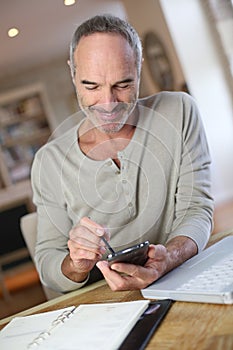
(108, 96)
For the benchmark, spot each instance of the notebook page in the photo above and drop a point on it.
(96, 326)
(20, 331)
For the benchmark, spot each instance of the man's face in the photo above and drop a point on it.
(106, 80)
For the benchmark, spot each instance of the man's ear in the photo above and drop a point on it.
(71, 72)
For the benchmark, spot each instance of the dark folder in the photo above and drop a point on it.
(145, 327)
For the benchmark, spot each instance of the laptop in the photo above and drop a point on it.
(207, 277)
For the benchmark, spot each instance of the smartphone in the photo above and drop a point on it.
(136, 255)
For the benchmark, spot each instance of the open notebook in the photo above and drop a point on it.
(206, 277)
(122, 326)
(88, 326)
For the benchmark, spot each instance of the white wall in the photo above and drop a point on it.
(148, 16)
(204, 74)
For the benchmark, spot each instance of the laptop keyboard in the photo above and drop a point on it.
(214, 279)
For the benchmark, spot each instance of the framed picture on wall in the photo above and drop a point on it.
(158, 61)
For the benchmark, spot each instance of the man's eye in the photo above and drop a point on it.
(122, 86)
(91, 87)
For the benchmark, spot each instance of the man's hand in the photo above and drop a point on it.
(161, 259)
(85, 249)
(123, 276)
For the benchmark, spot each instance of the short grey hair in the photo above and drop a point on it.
(107, 24)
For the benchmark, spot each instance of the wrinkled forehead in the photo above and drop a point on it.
(105, 51)
(98, 42)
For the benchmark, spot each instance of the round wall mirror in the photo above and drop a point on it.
(158, 62)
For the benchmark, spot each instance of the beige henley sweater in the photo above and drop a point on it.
(161, 190)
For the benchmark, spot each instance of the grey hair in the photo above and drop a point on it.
(107, 24)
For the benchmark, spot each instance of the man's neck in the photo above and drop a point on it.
(99, 145)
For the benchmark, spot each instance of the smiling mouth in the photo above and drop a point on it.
(109, 116)
(115, 112)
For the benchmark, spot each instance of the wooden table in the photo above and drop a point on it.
(187, 326)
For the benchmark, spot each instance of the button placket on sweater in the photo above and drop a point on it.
(126, 185)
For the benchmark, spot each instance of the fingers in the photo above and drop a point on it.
(113, 278)
(95, 228)
(92, 226)
(85, 241)
(87, 236)
(77, 253)
(157, 252)
(122, 276)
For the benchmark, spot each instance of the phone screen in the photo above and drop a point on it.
(136, 255)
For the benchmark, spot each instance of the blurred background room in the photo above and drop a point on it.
(188, 46)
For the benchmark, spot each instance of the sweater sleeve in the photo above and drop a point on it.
(53, 223)
(193, 200)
